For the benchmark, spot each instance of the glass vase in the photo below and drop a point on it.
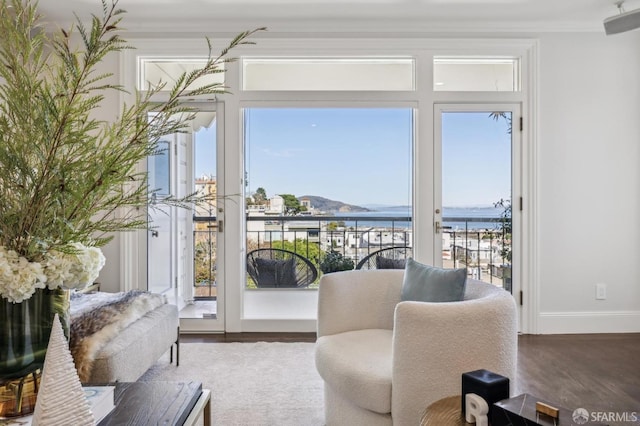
(24, 335)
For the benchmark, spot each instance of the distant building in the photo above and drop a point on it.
(306, 202)
(385, 238)
(265, 231)
(275, 206)
(206, 186)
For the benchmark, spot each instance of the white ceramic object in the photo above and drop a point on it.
(61, 399)
(476, 409)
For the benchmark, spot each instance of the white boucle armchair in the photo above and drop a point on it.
(384, 361)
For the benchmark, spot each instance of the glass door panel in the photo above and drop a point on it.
(474, 224)
(205, 218)
(205, 311)
(183, 249)
(330, 188)
(159, 236)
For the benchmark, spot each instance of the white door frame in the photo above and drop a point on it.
(210, 325)
(180, 292)
(516, 182)
(133, 246)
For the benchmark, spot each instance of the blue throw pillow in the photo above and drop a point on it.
(424, 283)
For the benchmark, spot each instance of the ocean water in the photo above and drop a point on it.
(476, 218)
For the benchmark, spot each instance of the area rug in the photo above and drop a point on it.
(252, 384)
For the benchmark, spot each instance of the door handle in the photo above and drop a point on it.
(220, 226)
(438, 227)
(154, 233)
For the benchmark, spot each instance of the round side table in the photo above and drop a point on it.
(444, 412)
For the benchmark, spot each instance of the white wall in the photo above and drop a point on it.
(589, 182)
(109, 278)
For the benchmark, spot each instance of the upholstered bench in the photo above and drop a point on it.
(120, 339)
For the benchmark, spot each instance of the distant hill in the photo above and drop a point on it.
(393, 208)
(332, 206)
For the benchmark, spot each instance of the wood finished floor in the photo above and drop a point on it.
(599, 372)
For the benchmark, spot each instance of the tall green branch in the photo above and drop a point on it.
(65, 175)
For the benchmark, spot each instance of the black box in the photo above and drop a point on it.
(521, 411)
(490, 386)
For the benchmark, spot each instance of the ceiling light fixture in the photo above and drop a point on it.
(624, 21)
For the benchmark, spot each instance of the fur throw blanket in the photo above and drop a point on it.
(96, 318)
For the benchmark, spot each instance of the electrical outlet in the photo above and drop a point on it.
(601, 291)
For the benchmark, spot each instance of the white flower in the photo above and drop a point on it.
(73, 270)
(19, 278)
(58, 268)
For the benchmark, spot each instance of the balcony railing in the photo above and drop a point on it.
(205, 231)
(313, 236)
(481, 244)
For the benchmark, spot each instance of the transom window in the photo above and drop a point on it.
(152, 71)
(328, 74)
(476, 74)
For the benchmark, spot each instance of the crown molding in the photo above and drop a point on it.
(347, 27)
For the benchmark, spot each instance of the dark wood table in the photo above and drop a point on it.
(159, 403)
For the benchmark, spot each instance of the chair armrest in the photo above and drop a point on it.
(358, 300)
(434, 343)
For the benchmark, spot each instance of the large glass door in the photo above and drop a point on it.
(205, 312)
(477, 191)
(166, 237)
(159, 236)
(327, 189)
(185, 245)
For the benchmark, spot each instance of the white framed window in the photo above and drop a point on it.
(328, 74)
(153, 70)
(476, 74)
(366, 73)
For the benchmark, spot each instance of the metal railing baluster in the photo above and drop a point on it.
(373, 238)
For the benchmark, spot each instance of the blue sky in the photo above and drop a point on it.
(357, 156)
(205, 151)
(476, 159)
(363, 156)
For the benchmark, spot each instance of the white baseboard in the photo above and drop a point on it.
(589, 322)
